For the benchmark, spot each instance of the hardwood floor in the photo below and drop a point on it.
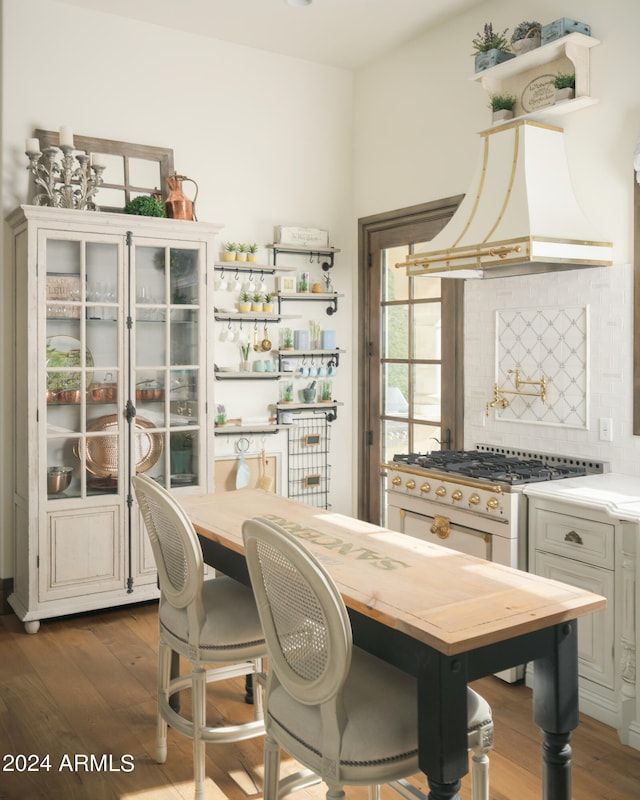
(84, 687)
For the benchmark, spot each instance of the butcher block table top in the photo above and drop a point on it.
(448, 600)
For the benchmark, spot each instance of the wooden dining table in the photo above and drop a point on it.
(445, 617)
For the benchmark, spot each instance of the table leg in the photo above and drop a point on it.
(442, 723)
(555, 693)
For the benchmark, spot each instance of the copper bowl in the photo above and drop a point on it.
(58, 479)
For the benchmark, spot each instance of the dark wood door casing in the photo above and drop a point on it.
(412, 224)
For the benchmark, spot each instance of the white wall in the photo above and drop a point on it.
(267, 138)
(416, 123)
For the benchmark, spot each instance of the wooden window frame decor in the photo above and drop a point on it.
(90, 144)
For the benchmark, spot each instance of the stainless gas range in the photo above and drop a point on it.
(472, 500)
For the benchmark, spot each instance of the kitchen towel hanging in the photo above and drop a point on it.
(243, 475)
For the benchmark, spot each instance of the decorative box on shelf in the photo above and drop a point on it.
(301, 237)
(563, 27)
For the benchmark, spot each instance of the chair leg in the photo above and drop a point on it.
(271, 768)
(258, 707)
(480, 742)
(335, 793)
(199, 694)
(164, 676)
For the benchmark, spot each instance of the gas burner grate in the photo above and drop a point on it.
(502, 467)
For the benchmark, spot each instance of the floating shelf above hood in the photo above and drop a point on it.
(520, 215)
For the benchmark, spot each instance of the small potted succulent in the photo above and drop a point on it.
(221, 415)
(267, 304)
(244, 304)
(241, 254)
(256, 302)
(252, 252)
(287, 338)
(502, 106)
(565, 86)
(490, 48)
(230, 251)
(526, 36)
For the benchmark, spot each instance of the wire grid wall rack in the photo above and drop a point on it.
(309, 468)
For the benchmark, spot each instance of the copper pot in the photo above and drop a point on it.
(104, 393)
(70, 395)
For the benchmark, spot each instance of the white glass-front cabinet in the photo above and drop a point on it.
(111, 379)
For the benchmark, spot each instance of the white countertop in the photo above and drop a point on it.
(617, 494)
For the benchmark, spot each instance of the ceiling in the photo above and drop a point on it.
(339, 33)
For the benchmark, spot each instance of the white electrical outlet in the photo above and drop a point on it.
(605, 425)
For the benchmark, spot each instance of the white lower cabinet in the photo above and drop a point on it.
(590, 549)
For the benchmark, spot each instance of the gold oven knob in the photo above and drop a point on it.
(474, 499)
(493, 503)
(456, 495)
(396, 481)
(410, 484)
(441, 491)
(425, 488)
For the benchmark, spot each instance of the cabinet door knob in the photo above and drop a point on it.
(573, 536)
(441, 491)
(411, 484)
(396, 481)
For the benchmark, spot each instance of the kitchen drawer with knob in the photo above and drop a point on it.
(588, 540)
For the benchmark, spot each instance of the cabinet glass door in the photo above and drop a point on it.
(83, 377)
(167, 347)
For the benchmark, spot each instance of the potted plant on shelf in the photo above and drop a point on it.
(256, 302)
(229, 251)
(244, 304)
(526, 36)
(241, 254)
(287, 339)
(267, 304)
(565, 85)
(252, 252)
(221, 415)
(490, 48)
(502, 106)
(244, 365)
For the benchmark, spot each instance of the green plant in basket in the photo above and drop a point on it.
(502, 102)
(490, 40)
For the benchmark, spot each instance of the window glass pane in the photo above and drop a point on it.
(395, 282)
(110, 198)
(424, 438)
(183, 276)
(427, 330)
(395, 389)
(114, 168)
(395, 436)
(426, 288)
(426, 392)
(144, 173)
(396, 331)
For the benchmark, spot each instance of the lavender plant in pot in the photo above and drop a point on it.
(490, 48)
(526, 36)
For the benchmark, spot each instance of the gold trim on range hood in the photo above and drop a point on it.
(520, 215)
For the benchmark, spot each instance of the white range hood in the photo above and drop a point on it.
(520, 214)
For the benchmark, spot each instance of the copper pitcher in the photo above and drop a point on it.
(178, 205)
